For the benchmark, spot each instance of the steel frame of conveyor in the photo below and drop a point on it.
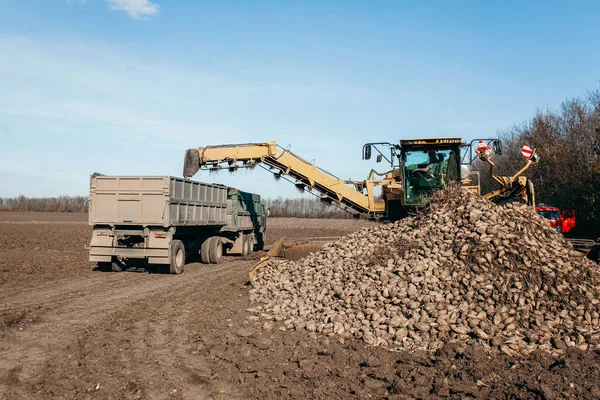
(296, 167)
(331, 190)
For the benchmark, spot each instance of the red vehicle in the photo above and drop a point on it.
(562, 221)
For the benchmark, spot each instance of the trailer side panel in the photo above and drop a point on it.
(156, 201)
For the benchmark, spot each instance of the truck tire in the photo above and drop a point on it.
(115, 266)
(260, 240)
(204, 251)
(250, 243)
(177, 260)
(104, 266)
(244, 246)
(215, 251)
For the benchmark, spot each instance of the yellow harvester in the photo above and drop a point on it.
(417, 169)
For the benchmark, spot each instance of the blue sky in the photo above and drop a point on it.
(125, 86)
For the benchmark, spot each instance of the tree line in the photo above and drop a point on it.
(568, 142)
(59, 204)
(303, 208)
(279, 207)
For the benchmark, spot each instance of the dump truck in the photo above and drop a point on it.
(164, 220)
(417, 169)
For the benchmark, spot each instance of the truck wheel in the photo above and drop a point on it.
(215, 252)
(177, 257)
(204, 251)
(249, 243)
(260, 239)
(115, 266)
(104, 266)
(244, 246)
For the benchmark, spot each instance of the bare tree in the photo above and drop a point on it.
(61, 203)
(568, 140)
(303, 208)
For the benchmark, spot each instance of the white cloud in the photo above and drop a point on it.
(137, 9)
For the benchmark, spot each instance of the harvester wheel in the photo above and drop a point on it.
(177, 260)
(204, 251)
(215, 252)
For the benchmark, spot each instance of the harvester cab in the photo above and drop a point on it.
(428, 165)
(421, 167)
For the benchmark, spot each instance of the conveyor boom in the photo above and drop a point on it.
(283, 161)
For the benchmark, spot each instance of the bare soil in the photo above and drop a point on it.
(30, 216)
(67, 331)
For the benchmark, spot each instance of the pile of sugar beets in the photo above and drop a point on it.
(464, 269)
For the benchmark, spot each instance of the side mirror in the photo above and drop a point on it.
(366, 152)
(497, 147)
(379, 158)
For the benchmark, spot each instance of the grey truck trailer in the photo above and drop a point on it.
(166, 220)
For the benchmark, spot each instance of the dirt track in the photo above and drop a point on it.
(69, 332)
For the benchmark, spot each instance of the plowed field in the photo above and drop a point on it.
(67, 331)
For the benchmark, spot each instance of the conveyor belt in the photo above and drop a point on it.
(281, 161)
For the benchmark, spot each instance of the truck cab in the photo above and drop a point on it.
(563, 221)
